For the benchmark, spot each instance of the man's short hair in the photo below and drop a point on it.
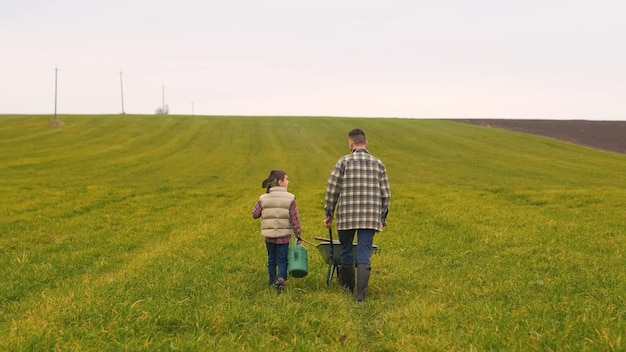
(357, 136)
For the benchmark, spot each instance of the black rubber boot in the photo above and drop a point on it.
(362, 279)
(347, 277)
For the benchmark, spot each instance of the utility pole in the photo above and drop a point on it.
(55, 93)
(163, 100)
(55, 121)
(122, 90)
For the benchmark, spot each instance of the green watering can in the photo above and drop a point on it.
(298, 260)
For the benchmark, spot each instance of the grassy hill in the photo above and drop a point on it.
(134, 233)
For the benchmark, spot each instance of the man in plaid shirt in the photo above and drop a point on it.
(358, 189)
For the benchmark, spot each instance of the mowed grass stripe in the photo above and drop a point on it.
(134, 232)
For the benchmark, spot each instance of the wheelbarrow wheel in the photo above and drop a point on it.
(329, 275)
(333, 270)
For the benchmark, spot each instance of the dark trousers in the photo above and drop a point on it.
(365, 241)
(277, 256)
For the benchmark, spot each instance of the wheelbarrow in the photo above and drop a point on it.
(332, 255)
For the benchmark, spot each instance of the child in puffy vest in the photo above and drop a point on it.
(280, 220)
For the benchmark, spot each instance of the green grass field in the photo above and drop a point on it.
(134, 233)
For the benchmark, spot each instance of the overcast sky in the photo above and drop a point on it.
(540, 59)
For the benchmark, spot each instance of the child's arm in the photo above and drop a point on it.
(257, 210)
(294, 217)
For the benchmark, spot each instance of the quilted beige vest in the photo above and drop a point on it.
(275, 215)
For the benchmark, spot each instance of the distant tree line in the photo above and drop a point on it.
(163, 110)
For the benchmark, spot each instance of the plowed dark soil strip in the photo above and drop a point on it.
(604, 135)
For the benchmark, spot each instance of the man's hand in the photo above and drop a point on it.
(328, 222)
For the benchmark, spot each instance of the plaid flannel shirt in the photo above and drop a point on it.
(358, 190)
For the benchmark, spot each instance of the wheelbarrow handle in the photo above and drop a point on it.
(326, 239)
(307, 242)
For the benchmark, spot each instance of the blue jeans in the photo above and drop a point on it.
(365, 241)
(277, 256)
